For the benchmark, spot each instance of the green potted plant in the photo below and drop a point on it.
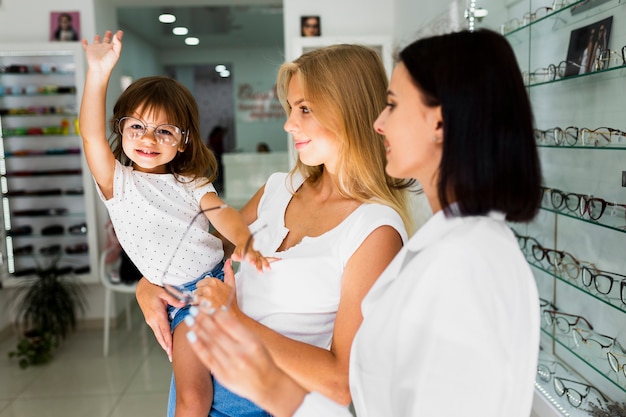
(47, 306)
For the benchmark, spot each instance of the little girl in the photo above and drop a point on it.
(153, 181)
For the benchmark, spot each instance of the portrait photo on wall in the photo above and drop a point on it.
(587, 48)
(310, 26)
(64, 26)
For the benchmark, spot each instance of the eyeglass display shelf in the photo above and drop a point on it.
(598, 364)
(548, 393)
(579, 76)
(35, 111)
(614, 302)
(546, 17)
(30, 153)
(560, 11)
(586, 148)
(621, 229)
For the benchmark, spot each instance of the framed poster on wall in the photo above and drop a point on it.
(64, 26)
(586, 45)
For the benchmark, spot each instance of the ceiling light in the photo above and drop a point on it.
(167, 18)
(220, 68)
(180, 30)
(192, 40)
(479, 13)
(225, 73)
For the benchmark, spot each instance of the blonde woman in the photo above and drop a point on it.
(335, 222)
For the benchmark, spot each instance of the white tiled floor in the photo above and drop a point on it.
(132, 381)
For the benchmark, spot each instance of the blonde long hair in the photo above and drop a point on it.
(347, 86)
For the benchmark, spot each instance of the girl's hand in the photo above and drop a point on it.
(218, 293)
(103, 55)
(252, 256)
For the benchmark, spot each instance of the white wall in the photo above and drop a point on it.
(254, 66)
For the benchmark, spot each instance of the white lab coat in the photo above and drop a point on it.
(451, 328)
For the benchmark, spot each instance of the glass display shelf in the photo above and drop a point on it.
(549, 367)
(617, 228)
(35, 111)
(550, 15)
(578, 10)
(613, 71)
(591, 354)
(586, 148)
(36, 74)
(34, 153)
(613, 301)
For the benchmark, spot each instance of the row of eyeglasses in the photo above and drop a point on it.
(607, 58)
(546, 371)
(597, 345)
(584, 136)
(567, 266)
(540, 13)
(582, 205)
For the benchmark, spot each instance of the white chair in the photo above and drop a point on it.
(107, 269)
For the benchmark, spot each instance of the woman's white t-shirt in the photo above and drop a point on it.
(300, 295)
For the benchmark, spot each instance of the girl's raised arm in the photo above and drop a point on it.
(102, 55)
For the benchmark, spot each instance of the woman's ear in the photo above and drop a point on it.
(437, 123)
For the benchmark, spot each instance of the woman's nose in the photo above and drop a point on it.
(378, 124)
(290, 125)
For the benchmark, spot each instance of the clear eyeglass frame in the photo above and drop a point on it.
(601, 136)
(135, 129)
(557, 136)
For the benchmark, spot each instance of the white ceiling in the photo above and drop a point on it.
(216, 26)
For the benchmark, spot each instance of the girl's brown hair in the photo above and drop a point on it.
(162, 94)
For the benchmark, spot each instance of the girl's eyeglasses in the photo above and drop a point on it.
(188, 296)
(165, 134)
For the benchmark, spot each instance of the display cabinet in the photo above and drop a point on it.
(48, 209)
(572, 55)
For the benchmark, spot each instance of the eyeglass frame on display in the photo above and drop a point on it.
(551, 313)
(610, 278)
(582, 209)
(608, 141)
(548, 371)
(558, 135)
(597, 63)
(560, 391)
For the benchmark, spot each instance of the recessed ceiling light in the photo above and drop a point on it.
(220, 68)
(479, 12)
(180, 30)
(167, 18)
(192, 40)
(225, 73)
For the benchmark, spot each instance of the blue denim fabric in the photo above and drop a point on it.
(225, 403)
(175, 314)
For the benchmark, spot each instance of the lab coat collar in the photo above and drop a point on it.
(439, 225)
